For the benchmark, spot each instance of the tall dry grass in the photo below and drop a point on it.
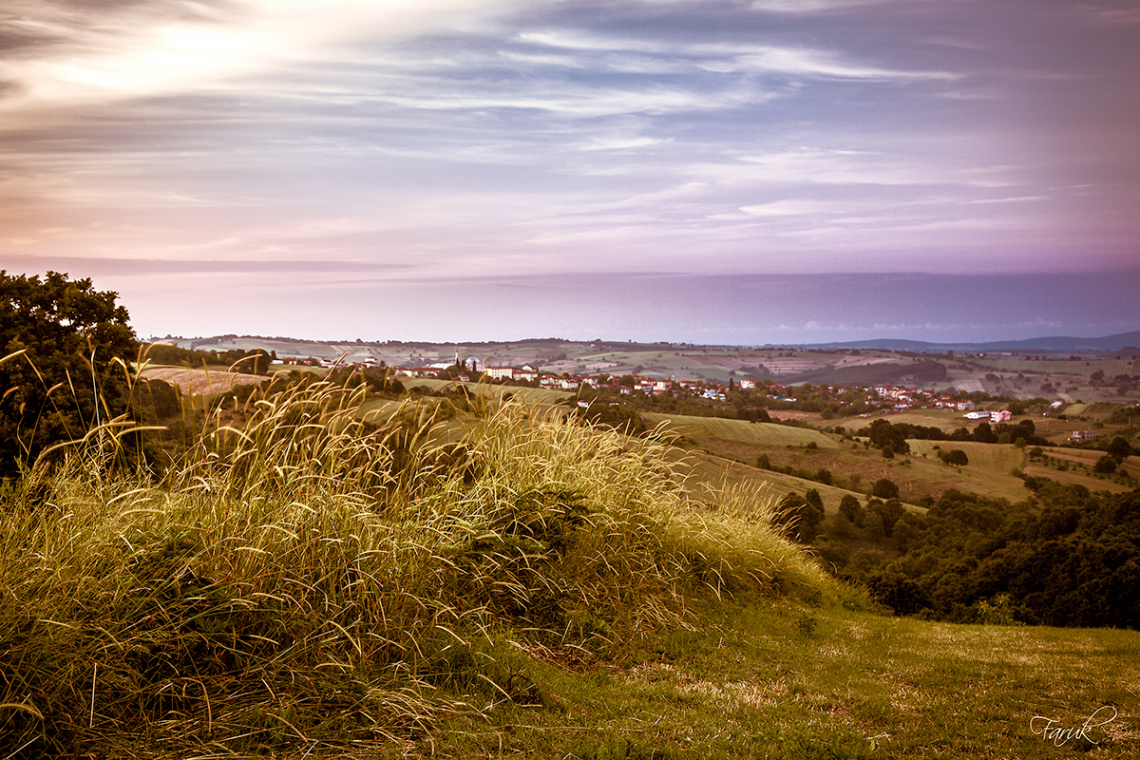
(304, 577)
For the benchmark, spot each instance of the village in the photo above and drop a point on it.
(878, 397)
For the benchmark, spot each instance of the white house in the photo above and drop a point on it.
(499, 373)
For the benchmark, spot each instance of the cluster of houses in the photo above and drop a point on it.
(895, 396)
(572, 382)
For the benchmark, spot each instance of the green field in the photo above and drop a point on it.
(787, 681)
(761, 433)
(1079, 470)
(711, 474)
(996, 457)
(854, 467)
(542, 396)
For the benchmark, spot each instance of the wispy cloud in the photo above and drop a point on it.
(450, 138)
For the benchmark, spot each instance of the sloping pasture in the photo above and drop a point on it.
(711, 474)
(990, 471)
(765, 433)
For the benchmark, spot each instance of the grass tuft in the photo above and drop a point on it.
(305, 577)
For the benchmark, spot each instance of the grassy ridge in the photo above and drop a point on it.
(306, 579)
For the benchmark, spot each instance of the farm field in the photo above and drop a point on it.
(542, 396)
(1078, 479)
(728, 450)
(853, 467)
(943, 419)
(1079, 469)
(201, 382)
(711, 474)
(997, 457)
(1049, 375)
(764, 433)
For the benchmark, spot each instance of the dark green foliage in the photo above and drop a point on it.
(380, 380)
(254, 361)
(888, 437)
(802, 515)
(885, 435)
(1073, 561)
(955, 457)
(885, 488)
(897, 591)
(1106, 465)
(983, 433)
(157, 400)
(850, 508)
(1119, 449)
(71, 373)
(813, 498)
(157, 405)
(889, 512)
(1025, 429)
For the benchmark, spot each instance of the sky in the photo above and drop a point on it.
(746, 172)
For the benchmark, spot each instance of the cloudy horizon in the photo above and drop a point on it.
(458, 169)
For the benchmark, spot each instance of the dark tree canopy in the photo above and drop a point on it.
(59, 339)
(1119, 449)
(885, 488)
(800, 516)
(885, 436)
(954, 457)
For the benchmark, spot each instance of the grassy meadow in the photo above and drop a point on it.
(303, 579)
(787, 680)
(320, 574)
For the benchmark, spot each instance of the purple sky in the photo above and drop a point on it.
(653, 169)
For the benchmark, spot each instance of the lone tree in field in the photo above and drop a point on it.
(59, 339)
(1119, 449)
(954, 457)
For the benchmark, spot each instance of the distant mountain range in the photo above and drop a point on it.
(1121, 342)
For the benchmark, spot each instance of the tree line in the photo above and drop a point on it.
(252, 361)
(1069, 557)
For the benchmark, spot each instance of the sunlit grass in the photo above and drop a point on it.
(304, 577)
